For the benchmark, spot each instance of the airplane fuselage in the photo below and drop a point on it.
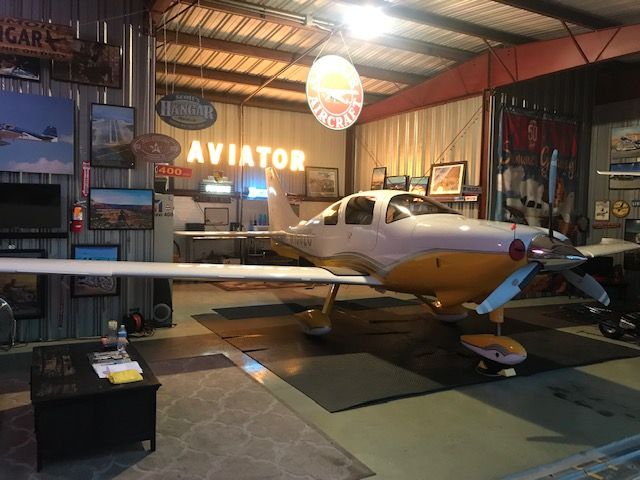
(432, 251)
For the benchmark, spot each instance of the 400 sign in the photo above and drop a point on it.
(171, 171)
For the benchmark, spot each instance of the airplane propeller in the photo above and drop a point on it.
(508, 289)
(588, 284)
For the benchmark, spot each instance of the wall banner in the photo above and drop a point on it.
(527, 141)
(35, 39)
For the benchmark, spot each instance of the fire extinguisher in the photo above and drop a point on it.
(77, 215)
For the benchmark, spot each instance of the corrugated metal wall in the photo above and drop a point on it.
(408, 144)
(262, 127)
(118, 22)
(569, 94)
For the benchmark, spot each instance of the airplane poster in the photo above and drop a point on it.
(36, 134)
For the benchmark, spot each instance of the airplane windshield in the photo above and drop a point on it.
(408, 205)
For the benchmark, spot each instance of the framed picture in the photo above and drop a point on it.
(624, 166)
(398, 182)
(36, 134)
(625, 142)
(17, 66)
(418, 185)
(602, 211)
(377, 178)
(321, 181)
(120, 209)
(88, 286)
(93, 63)
(216, 217)
(112, 130)
(447, 178)
(24, 292)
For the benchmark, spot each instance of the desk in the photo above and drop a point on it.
(75, 410)
(241, 250)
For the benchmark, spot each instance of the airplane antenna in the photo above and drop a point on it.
(553, 172)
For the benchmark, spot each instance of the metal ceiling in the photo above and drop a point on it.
(226, 49)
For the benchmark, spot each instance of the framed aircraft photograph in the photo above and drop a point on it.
(113, 127)
(625, 142)
(17, 66)
(36, 134)
(120, 209)
(93, 64)
(91, 286)
(419, 185)
(626, 174)
(24, 292)
(321, 181)
(397, 182)
(447, 178)
(377, 178)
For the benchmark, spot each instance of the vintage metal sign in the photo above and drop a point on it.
(35, 39)
(173, 171)
(155, 147)
(334, 92)
(189, 112)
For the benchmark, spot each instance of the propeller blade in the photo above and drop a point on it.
(508, 289)
(588, 285)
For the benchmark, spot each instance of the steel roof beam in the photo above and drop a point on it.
(504, 66)
(242, 78)
(561, 12)
(189, 40)
(445, 23)
(222, 97)
(280, 17)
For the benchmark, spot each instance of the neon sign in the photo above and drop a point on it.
(263, 156)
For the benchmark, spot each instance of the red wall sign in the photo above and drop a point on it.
(334, 92)
(172, 171)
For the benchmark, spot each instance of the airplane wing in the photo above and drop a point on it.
(607, 246)
(191, 271)
(618, 173)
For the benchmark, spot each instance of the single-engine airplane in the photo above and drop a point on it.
(389, 240)
(11, 132)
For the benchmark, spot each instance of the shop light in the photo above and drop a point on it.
(257, 192)
(365, 21)
(217, 189)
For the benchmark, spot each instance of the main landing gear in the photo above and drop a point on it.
(317, 322)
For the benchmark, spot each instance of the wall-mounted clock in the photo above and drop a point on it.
(620, 208)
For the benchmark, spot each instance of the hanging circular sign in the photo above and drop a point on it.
(334, 92)
(155, 147)
(189, 112)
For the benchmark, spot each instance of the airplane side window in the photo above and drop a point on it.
(331, 214)
(359, 211)
(408, 205)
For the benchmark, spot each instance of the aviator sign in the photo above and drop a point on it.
(334, 92)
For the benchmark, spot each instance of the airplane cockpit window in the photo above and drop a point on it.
(407, 205)
(359, 210)
(330, 214)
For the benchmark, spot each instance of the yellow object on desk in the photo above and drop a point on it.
(125, 376)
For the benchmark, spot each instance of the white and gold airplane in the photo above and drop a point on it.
(388, 240)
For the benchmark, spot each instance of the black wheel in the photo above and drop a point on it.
(610, 331)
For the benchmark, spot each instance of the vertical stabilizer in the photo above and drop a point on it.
(281, 215)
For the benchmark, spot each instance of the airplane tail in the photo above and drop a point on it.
(281, 216)
(51, 132)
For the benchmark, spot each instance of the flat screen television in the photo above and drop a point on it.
(30, 205)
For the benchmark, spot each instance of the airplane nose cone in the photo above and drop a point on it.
(554, 254)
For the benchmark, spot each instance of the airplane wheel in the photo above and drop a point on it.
(610, 331)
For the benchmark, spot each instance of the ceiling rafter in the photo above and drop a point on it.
(157, 8)
(243, 78)
(562, 12)
(259, 102)
(442, 22)
(301, 22)
(185, 39)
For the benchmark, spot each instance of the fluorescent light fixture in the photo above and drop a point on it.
(213, 188)
(257, 192)
(365, 21)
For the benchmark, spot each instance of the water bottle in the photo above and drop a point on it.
(122, 339)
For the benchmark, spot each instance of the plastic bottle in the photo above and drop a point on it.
(122, 339)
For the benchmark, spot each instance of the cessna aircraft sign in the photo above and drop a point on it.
(185, 111)
(334, 92)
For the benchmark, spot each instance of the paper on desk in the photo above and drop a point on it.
(103, 370)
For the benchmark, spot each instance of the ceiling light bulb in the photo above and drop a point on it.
(365, 21)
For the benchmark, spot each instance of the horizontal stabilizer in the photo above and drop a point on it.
(607, 246)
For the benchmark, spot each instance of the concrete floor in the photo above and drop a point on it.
(484, 431)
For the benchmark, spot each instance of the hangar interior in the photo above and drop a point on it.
(490, 86)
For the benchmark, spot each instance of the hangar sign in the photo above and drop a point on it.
(35, 39)
(334, 92)
(185, 111)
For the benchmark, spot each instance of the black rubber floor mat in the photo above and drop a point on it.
(416, 344)
(252, 311)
